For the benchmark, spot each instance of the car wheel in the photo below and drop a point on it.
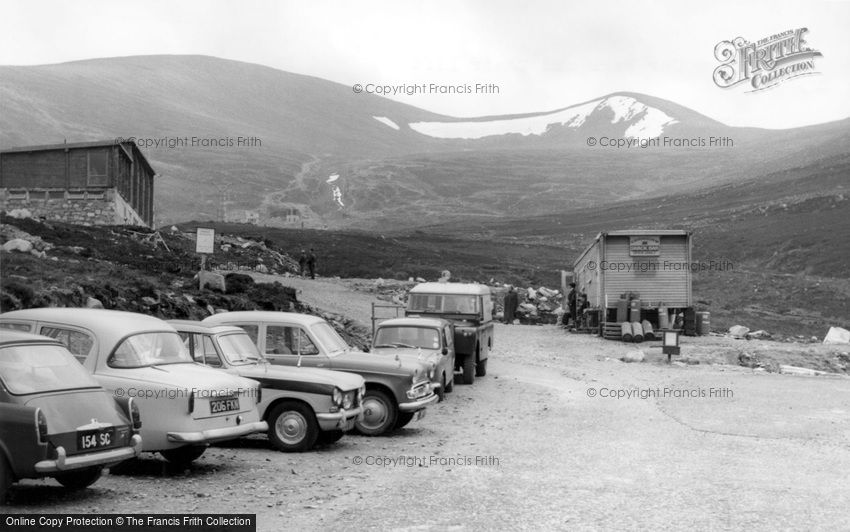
(379, 413)
(481, 368)
(468, 369)
(403, 419)
(330, 436)
(77, 480)
(449, 382)
(5, 479)
(293, 427)
(183, 455)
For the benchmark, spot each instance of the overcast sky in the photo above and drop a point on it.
(542, 55)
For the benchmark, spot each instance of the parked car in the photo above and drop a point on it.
(397, 390)
(185, 406)
(470, 307)
(429, 340)
(57, 421)
(301, 405)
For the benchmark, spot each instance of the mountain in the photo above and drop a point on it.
(396, 165)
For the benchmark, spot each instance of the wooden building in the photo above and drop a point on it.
(651, 266)
(101, 183)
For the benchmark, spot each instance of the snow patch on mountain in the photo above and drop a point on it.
(651, 123)
(644, 121)
(386, 121)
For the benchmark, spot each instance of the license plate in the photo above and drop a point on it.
(95, 439)
(420, 414)
(219, 406)
(346, 424)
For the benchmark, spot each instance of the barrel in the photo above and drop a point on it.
(648, 334)
(635, 311)
(663, 318)
(626, 331)
(690, 322)
(703, 323)
(622, 310)
(637, 332)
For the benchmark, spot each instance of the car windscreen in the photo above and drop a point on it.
(27, 369)
(329, 338)
(238, 348)
(150, 349)
(443, 303)
(407, 337)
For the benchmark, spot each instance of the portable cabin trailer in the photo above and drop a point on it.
(650, 268)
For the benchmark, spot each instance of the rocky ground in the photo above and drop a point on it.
(559, 435)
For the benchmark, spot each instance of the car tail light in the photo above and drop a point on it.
(135, 415)
(41, 423)
(192, 402)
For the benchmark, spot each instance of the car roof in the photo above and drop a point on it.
(110, 326)
(450, 288)
(414, 322)
(241, 316)
(193, 326)
(11, 336)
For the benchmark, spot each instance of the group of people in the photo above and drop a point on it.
(575, 305)
(307, 263)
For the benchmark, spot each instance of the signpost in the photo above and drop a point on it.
(204, 245)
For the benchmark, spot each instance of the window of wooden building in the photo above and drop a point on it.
(98, 168)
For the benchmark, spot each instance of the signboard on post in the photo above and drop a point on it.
(205, 245)
(205, 242)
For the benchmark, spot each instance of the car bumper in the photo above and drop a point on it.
(419, 404)
(214, 435)
(69, 463)
(342, 420)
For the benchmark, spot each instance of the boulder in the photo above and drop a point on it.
(20, 214)
(261, 268)
(837, 335)
(92, 302)
(634, 356)
(211, 280)
(738, 331)
(18, 244)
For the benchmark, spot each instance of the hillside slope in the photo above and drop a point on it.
(394, 165)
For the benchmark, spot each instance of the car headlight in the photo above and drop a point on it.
(348, 400)
(337, 397)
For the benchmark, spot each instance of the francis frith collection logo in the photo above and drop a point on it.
(765, 63)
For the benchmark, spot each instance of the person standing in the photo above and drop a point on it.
(311, 263)
(511, 304)
(571, 303)
(302, 263)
